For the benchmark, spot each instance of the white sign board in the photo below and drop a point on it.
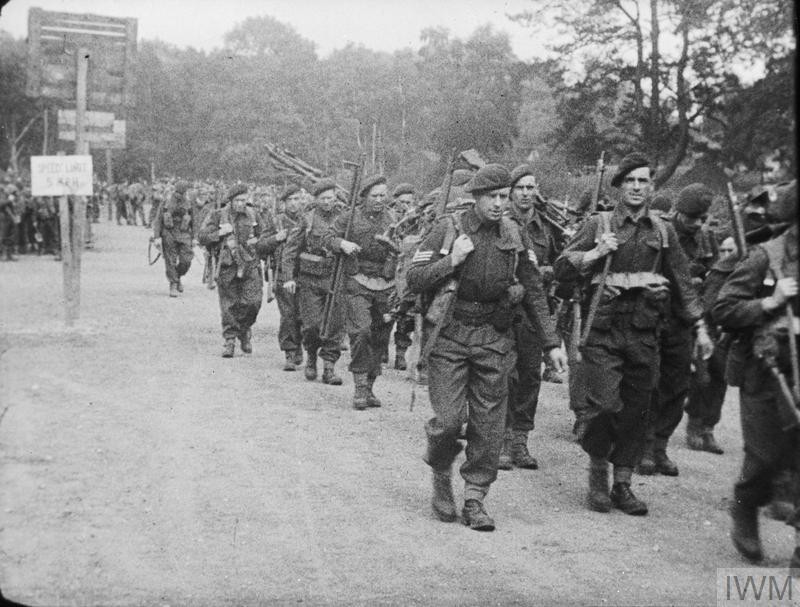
(61, 176)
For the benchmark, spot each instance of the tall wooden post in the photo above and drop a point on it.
(73, 217)
(45, 115)
(109, 181)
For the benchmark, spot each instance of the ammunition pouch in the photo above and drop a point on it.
(441, 303)
(771, 341)
(385, 269)
(735, 363)
(168, 223)
(316, 265)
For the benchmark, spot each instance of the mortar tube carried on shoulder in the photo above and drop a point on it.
(334, 294)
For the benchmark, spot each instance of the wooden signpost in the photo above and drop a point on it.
(78, 59)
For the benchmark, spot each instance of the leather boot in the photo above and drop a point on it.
(694, 434)
(647, 465)
(329, 376)
(372, 400)
(519, 451)
(422, 376)
(442, 502)
(298, 356)
(173, 289)
(505, 462)
(710, 443)
(10, 254)
(598, 497)
(179, 286)
(227, 349)
(664, 465)
(361, 394)
(400, 359)
(475, 517)
(745, 530)
(311, 366)
(247, 344)
(622, 497)
(289, 365)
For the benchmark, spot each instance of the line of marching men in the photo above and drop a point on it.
(662, 308)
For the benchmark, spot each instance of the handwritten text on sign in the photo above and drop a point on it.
(61, 175)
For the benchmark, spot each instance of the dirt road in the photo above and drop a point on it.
(140, 468)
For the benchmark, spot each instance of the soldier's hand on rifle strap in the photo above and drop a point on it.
(703, 345)
(290, 286)
(785, 289)
(462, 246)
(349, 248)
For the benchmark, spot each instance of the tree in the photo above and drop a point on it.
(18, 112)
(650, 74)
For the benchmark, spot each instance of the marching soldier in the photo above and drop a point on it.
(235, 232)
(370, 269)
(707, 388)
(677, 342)
(173, 229)
(289, 336)
(403, 206)
(525, 210)
(473, 354)
(307, 268)
(620, 355)
(759, 303)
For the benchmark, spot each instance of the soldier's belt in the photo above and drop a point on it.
(474, 313)
(316, 265)
(632, 280)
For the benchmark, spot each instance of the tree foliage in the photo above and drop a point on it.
(661, 76)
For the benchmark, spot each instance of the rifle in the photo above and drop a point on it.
(334, 293)
(736, 221)
(211, 267)
(595, 302)
(270, 273)
(440, 307)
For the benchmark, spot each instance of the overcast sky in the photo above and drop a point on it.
(384, 25)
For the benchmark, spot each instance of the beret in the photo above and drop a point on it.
(661, 203)
(323, 185)
(634, 160)
(489, 177)
(402, 188)
(461, 176)
(236, 190)
(370, 183)
(784, 206)
(288, 191)
(521, 171)
(181, 187)
(694, 200)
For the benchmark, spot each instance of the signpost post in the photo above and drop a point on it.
(60, 49)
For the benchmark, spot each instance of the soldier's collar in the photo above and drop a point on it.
(622, 213)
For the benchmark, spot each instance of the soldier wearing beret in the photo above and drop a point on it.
(677, 340)
(174, 232)
(370, 268)
(620, 356)
(526, 209)
(402, 198)
(235, 233)
(487, 263)
(307, 268)
(757, 303)
(405, 208)
(278, 227)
